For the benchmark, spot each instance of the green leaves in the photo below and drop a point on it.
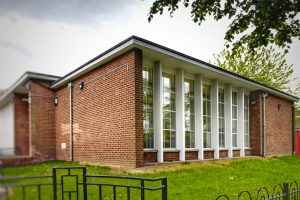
(256, 23)
(265, 65)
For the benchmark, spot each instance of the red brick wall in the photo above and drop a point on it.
(150, 157)
(21, 124)
(255, 125)
(223, 153)
(208, 154)
(278, 126)
(171, 156)
(107, 114)
(248, 152)
(191, 155)
(62, 123)
(236, 153)
(41, 118)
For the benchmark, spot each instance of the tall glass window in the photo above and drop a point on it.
(206, 116)
(189, 113)
(169, 111)
(234, 119)
(246, 121)
(221, 104)
(148, 108)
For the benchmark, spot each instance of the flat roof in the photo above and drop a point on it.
(138, 42)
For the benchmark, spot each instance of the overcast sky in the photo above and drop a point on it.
(57, 36)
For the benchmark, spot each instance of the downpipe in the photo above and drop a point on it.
(264, 96)
(70, 85)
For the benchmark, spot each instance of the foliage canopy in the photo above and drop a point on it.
(265, 65)
(253, 22)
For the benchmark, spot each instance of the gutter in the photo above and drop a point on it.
(70, 85)
(264, 96)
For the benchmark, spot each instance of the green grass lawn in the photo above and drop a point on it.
(194, 180)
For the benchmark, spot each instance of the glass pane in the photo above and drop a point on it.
(209, 124)
(173, 139)
(234, 126)
(186, 87)
(167, 139)
(204, 107)
(208, 108)
(173, 102)
(187, 122)
(173, 120)
(187, 139)
(234, 98)
(166, 120)
(192, 105)
(192, 120)
(192, 139)
(234, 140)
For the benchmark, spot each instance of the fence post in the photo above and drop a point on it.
(142, 189)
(286, 191)
(84, 184)
(54, 184)
(164, 189)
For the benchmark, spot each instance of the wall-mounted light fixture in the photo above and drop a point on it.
(81, 85)
(55, 101)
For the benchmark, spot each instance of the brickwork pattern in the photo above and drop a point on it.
(171, 156)
(107, 114)
(41, 119)
(150, 157)
(191, 155)
(21, 124)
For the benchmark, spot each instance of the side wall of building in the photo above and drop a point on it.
(21, 116)
(107, 114)
(41, 119)
(278, 126)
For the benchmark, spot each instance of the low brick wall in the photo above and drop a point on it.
(223, 153)
(171, 156)
(209, 154)
(150, 157)
(191, 155)
(236, 153)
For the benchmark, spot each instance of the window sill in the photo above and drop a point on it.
(208, 149)
(150, 150)
(191, 149)
(236, 148)
(223, 149)
(171, 150)
(248, 148)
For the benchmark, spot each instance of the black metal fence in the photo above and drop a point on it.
(286, 191)
(68, 183)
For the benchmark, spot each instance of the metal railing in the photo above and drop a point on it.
(285, 191)
(74, 183)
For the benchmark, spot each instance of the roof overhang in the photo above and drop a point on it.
(19, 86)
(148, 46)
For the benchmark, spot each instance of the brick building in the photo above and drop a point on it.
(141, 102)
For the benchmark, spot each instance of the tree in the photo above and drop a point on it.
(265, 65)
(255, 22)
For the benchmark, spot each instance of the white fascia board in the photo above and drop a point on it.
(25, 77)
(180, 57)
(83, 70)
